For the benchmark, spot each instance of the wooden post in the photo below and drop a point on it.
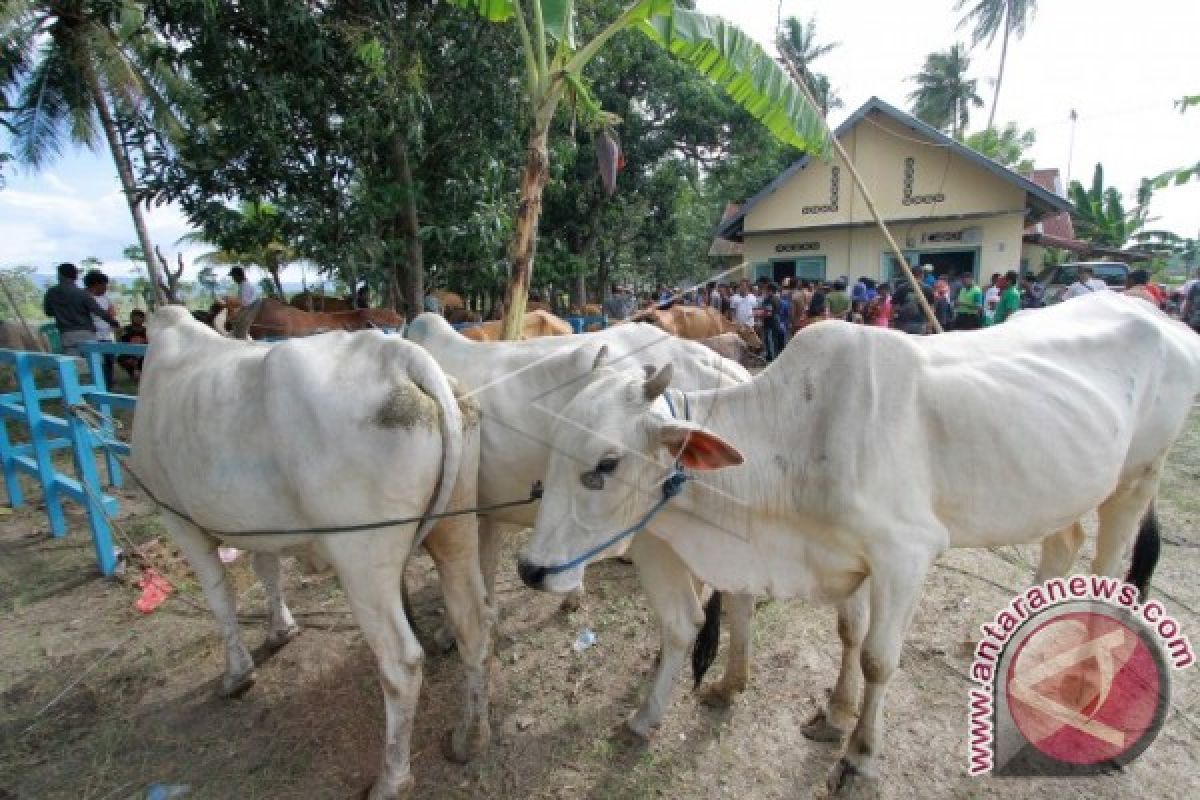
(862, 187)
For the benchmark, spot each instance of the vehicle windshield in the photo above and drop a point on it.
(1064, 275)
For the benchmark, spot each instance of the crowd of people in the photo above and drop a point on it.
(778, 310)
(88, 314)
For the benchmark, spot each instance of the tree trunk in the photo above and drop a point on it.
(273, 269)
(125, 172)
(412, 281)
(1003, 57)
(524, 244)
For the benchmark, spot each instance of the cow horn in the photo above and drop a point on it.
(601, 359)
(657, 383)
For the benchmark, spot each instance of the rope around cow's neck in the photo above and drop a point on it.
(671, 487)
(79, 412)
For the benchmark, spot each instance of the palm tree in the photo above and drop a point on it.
(1100, 215)
(73, 66)
(989, 17)
(944, 94)
(797, 42)
(554, 65)
(253, 235)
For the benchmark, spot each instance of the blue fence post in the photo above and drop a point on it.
(82, 445)
(39, 445)
(16, 497)
(95, 354)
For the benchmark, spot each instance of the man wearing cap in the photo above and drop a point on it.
(72, 309)
(930, 278)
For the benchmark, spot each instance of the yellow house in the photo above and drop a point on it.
(945, 204)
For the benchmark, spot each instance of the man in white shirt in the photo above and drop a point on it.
(743, 304)
(1085, 284)
(247, 291)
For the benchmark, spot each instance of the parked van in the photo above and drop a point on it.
(1057, 279)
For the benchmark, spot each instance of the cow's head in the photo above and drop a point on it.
(612, 448)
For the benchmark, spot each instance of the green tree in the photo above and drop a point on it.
(19, 285)
(81, 71)
(554, 69)
(989, 17)
(1100, 215)
(945, 95)
(798, 41)
(252, 235)
(1007, 146)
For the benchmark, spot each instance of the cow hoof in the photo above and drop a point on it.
(572, 602)
(637, 730)
(236, 685)
(717, 695)
(820, 729)
(277, 639)
(847, 782)
(378, 791)
(461, 748)
(443, 640)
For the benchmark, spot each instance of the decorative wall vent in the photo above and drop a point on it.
(910, 199)
(835, 181)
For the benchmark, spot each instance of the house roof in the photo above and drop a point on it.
(725, 247)
(1041, 201)
(1056, 226)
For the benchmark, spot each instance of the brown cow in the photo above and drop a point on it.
(733, 347)
(535, 325)
(448, 300)
(697, 323)
(309, 301)
(277, 320)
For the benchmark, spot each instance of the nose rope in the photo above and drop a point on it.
(671, 487)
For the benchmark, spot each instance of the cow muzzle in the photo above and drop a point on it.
(532, 575)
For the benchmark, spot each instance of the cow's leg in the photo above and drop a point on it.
(740, 612)
(832, 724)
(281, 628)
(490, 542)
(200, 549)
(672, 595)
(895, 582)
(370, 569)
(454, 548)
(1120, 517)
(1059, 551)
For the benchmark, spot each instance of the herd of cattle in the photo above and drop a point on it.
(810, 479)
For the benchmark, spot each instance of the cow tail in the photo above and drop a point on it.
(425, 372)
(704, 652)
(1146, 549)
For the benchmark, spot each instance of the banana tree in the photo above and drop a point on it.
(554, 65)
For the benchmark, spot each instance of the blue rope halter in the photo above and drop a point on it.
(672, 486)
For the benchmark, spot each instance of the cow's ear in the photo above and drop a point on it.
(697, 448)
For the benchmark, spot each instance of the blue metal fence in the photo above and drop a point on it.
(50, 432)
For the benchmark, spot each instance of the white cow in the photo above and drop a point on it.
(521, 388)
(865, 453)
(324, 431)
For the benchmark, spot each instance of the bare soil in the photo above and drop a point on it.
(98, 701)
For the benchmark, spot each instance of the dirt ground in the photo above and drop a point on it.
(99, 701)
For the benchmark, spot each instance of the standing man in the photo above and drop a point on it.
(742, 305)
(838, 300)
(1189, 312)
(968, 306)
(1086, 283)
(771, 316)
(248, 299)
(1033, 294)
(1010, 299)
(96, 283)
(72, 309)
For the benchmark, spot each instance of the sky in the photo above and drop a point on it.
(1121, 73)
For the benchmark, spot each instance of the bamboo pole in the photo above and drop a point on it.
(862, 187)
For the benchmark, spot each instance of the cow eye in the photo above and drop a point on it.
(607, 466)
